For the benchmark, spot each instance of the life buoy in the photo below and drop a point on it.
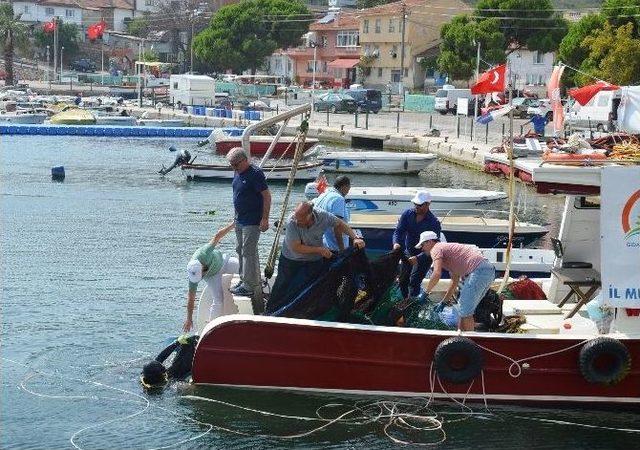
(572, 157)
(604, 360)
(458, 360)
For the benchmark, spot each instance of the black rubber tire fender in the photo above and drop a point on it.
(458, 360)
(590, 361)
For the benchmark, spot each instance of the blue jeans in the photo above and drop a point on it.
(411, 282)
(474, 287)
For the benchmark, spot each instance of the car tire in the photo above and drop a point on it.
(444, 113)
(549, 116)
(600, 128)
(333, 109)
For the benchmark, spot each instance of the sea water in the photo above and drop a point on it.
(94, 285)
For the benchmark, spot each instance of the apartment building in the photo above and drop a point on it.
(380, 31)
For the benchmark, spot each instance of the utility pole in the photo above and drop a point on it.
(55, 47)
(61, 52)
(404, 25)
(191, 46)
(313, 76)
(475, 107)
(48, 71)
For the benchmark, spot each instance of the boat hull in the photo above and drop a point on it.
(212, 172)
(25, 119)
(376, 162)
(281, 353)
(260, 146)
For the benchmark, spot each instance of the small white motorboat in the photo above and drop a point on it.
(127, 121)
(161, 122)
(376, 162)
(23, 118)
(212, 172)
(394, 200)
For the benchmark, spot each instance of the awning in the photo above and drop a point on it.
(343, 63)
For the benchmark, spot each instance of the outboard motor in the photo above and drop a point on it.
(184, 157)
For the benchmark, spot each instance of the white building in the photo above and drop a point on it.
(146, 6)
(44, 10)
(279, 64)
(530, 70)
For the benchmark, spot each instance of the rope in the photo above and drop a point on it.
(512, 216)
(273, 253)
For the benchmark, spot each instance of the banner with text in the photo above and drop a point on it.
(620, 236)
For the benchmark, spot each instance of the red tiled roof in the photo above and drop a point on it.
(120, 4)
(343, 21)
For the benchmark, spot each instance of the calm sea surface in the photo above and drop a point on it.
(93, 286)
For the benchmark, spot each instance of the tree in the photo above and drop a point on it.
(240, 36)
(617, 53)
(573, 51)
(459, 46)
(12, 33)
(501, 27)
(363, 4)
(621, 12)
(138, 26)
(68, 37)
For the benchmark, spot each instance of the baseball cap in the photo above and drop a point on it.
(421, 197)
(426, 236)
(194, 271)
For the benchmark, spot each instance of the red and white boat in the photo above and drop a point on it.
(260, 144)
(549, 363)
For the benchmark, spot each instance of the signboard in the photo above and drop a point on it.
(463, 106)
(620, 236)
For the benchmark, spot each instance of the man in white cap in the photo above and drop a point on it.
(411, 223)
(463, 262)
(210, 264)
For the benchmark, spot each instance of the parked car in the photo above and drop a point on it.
(83, 65)
(334, 102)
(542, 106)
(446, 99)
(521, 105)
(368, 100)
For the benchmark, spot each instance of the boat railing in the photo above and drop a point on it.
(482, 214)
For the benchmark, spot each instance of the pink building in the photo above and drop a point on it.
(336, 37)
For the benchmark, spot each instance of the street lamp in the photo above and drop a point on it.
(314, 45)
(102, 63)
(61, 54)
(48, 71)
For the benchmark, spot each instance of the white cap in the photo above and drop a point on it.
(426, 236)
(194, 271)
(421, 197)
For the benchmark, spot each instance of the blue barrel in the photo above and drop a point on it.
(247, 114)
(57, 173)
(228, 113)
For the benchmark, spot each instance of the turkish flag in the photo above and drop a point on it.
(493, 80)
(586, 93)
(49, 27)
(96, 30)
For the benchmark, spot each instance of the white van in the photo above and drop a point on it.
(596, 114)
(190, 89)
(446, 99)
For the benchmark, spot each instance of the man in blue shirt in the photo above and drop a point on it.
(539, 122)
(333, 201)
(411, 223)
(252, 203)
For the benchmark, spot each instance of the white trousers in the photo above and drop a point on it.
(212, 298)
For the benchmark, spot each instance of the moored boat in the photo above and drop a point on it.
(552, 362)
(394, 200)
(260, 144)
(73, 116)
(211, 172)
(474, 227)
(23, 118)
(377, 162)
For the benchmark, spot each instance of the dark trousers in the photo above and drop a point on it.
(411, 280)
(293, 276)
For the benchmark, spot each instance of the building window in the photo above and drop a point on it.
(392, 25)
(149, 2)
(394, 51)
(310, 66)
(278, 64)
(406, 72)
(69, 12)
(324, 67)
(378, 25)
(48, 11)
(365, 26)
(538, 58)
(347, 39)
(379, 72)
(26, 9)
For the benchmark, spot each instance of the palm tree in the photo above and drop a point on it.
(12, 33)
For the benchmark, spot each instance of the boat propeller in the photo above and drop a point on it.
(184, 157)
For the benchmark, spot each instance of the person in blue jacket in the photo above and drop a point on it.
(411, 223)
(333, 201)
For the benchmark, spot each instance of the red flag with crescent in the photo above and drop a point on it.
(586, 93)
(491, 81)
(553, 92)
(96, 30)
(49, 27)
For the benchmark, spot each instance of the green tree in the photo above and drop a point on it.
(68, 37)
(617, 53)
(12, 33)
(458, 50)
(501, 27)
(241, 35)
(621, 12)
(572, 49)
(138, 26)
(363, 4)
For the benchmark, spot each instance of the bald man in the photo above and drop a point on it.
(303, 252)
